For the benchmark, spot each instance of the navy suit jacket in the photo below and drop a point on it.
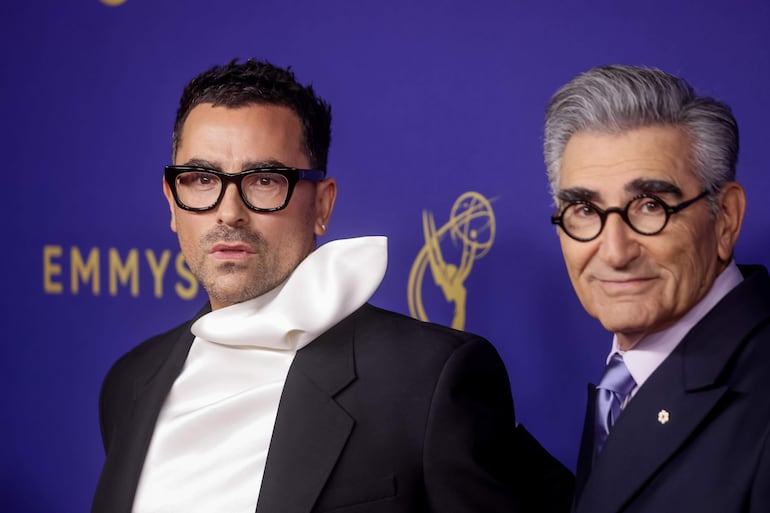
(712, 453)
(381, 413)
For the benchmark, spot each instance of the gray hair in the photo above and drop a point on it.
(616, 99)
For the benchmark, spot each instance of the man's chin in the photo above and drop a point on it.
(223, 298)
(234, 288)
(626, 328)
(229, 267)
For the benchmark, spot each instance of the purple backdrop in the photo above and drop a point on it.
(430, 99)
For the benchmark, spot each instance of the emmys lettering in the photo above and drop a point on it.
(471, 231)
(90, 272)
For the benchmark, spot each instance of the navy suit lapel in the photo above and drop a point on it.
(677, 399)
(641, 441)
(311, 429)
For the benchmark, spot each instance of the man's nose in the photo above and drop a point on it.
(232, 211)
(618, 242)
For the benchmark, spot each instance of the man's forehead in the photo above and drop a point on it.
(234, 139)
(648, 159)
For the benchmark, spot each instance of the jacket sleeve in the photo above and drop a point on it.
(114, 400)
(475, 458)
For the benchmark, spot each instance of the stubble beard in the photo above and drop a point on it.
(233, 282)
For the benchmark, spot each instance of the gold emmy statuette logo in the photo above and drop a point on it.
(471, 229)
(113, 3)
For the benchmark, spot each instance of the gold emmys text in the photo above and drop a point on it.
(89, 271)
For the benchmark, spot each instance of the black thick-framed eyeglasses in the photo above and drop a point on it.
(646, 214)
(263, 189)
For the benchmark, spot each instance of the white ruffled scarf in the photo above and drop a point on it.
(330, 284)
(210, 444)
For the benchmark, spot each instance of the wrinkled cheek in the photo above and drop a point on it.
(687, 283)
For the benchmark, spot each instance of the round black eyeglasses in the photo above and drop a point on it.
(264, 189)
(646, 214)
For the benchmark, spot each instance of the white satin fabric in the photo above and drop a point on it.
(210, 444)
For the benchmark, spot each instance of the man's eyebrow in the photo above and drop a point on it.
(577, 194)
(642, 185)
(255, 164)
(195, 162)
(252, 164)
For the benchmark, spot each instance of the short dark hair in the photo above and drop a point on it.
(256, 82)
(620, 98)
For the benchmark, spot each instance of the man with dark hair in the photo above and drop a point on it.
(680, 420)
(288, 392)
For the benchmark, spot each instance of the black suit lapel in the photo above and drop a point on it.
(311, 429)
(123, 466)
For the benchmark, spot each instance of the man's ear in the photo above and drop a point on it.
(326, 194)
(732, 207)
(170, 199)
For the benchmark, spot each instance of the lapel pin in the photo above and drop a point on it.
(663, 416)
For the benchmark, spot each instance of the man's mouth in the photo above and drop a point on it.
(225, 251)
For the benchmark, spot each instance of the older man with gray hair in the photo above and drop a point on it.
(680, 420)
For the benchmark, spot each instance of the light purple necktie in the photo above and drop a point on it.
(615, 385)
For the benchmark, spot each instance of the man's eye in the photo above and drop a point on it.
(265, 181)
(651, 207)
(582, 210)
(646, 207)
(199, 180)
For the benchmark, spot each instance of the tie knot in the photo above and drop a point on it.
(616, 377)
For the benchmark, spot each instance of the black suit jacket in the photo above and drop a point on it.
(381, 413)
(713, 453)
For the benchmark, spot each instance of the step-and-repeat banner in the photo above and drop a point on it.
(437, 135)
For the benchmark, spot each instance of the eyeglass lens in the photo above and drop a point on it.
(199, 189)
(645, 215)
